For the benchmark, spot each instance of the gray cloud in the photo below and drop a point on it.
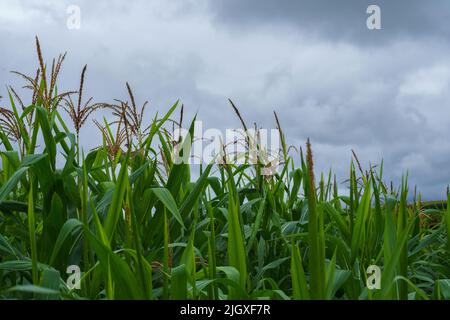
(309, 61)
(339, 20)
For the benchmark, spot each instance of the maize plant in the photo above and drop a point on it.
(138, 225)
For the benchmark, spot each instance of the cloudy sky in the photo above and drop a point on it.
(383, 93)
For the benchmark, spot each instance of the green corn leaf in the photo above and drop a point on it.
(115, 208)
(166, 198)
(300, 290)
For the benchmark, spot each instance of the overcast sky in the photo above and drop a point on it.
(383, 93)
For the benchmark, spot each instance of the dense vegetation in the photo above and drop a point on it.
(139, 227)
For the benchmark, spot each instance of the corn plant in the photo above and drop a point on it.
(139, 226)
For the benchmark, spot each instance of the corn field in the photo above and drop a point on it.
(139, 226)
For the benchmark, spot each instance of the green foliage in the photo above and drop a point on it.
(139, 226)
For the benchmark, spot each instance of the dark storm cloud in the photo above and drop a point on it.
(340, 20)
